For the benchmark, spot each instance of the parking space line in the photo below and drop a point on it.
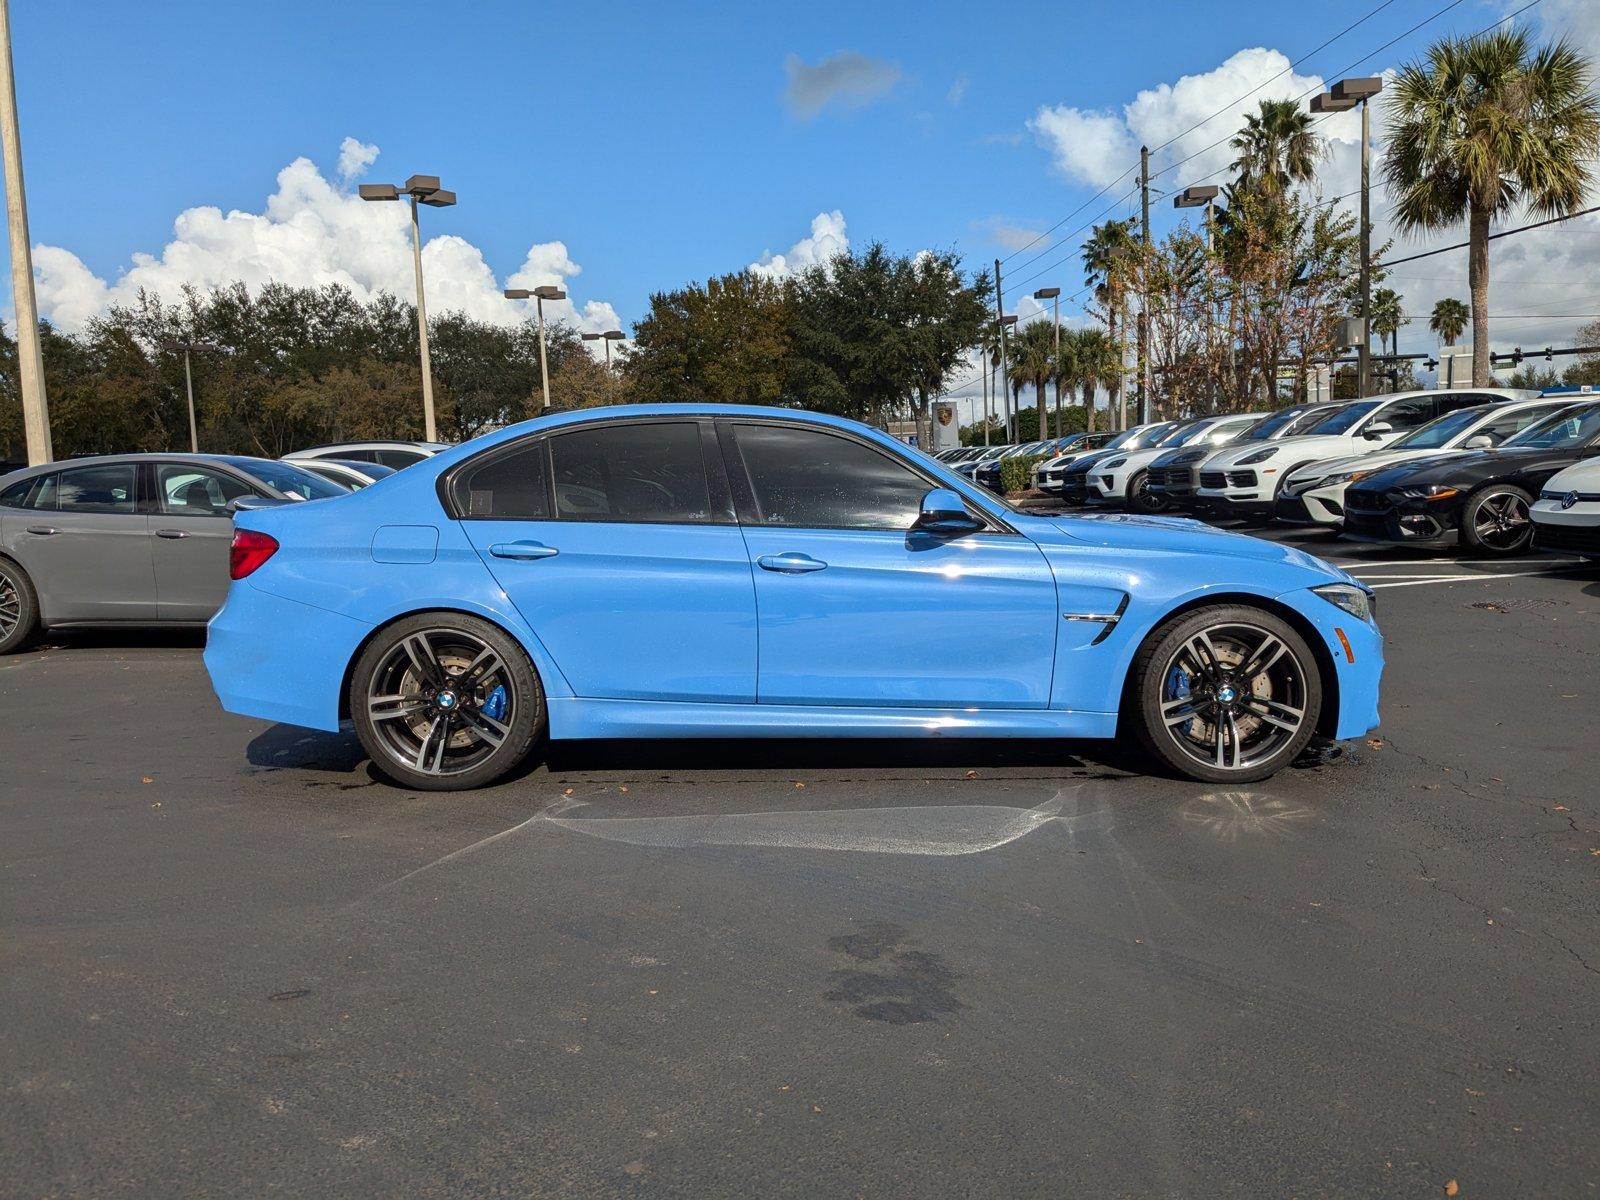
(1460, 578)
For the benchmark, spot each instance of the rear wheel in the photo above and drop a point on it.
(445, 702)
(19, 608)
(1497, 521)
(1226, 694)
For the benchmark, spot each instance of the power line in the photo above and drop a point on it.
(1395, 262)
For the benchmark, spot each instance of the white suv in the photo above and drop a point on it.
(1124, 478)
(385, 453)
(1566, 516)
(1314, 495)
(1245, 478)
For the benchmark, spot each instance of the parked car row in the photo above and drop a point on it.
(144, 539)
(1489, 470)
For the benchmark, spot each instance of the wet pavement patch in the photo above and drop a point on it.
(902, 986)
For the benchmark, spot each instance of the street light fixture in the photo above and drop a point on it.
(420, 189)
(1054, 293)
(188, 384)
(545, 291)
(1343, 96)
(1194, 196)
(609, 336)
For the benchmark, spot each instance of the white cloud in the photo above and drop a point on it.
(846, 79)
(1009, 234)
(313, 232)
(354, 158)
(827, 238)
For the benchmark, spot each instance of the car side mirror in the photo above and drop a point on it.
(944, 513)
(1481, 441)
(1376, 430)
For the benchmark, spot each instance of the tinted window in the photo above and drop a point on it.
(108, 488)
(16, 494)
(397, 458)
(1574, 426)
(514, 486)
(815, 480)
(1514, 423)
(1341, 420)
(365, 456)
(1408, 414)
(644, 472)
(294, 482)
(187, 491)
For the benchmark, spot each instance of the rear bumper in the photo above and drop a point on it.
(278, 659)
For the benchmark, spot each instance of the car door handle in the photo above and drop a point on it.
(790, 564)
(43, 530)
(523, 550)
(172, 533)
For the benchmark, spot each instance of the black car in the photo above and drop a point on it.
(1478, 501)
(1074, 486)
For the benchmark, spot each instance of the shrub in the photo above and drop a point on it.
(1016, 474)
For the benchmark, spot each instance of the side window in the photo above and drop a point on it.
(107, 489)
(396, 458)
(353, 455)
(650, 471)
(16, 495)
(813, 480)
(511, 487)
(186, 491)
(1408, 414)
(1450, 402)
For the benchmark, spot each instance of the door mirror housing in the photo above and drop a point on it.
(1376, 430)
(943, 512)
(1480, 441)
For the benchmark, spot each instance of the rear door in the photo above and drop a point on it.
(617, 543)
(192, 531)
(856, 608)
(86, 545)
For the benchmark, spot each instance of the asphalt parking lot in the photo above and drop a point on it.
(236, 963)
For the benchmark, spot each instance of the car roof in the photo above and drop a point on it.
(377, 443)
(89, 460)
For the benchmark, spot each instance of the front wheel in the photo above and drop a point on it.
(445, 702)
(1497, 520)
(1226, 694)
(1140, 497)
(19, 608)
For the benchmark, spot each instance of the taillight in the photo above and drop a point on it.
(249, 550)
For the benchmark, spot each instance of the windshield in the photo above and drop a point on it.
(1192, 434)
(1342, 419)
(1141, 439)
(1575, 426)
(1120, 440)
(293, 482)
(1436, 433)
(1269, 425)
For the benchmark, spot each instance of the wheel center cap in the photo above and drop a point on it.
(1227, 694)
(446, 699)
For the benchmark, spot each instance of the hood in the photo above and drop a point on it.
(1580, 477)
(1290, 450)
(1180, 535)
(1466, 468)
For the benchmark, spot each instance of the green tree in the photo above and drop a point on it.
(1099, 364)
(1034, 361)
(1448, 320)
(1387, 318)
(1480, 127)
(727, 341)
(1110, 261)
(1277, 147)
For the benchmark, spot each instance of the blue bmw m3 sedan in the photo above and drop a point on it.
(714, 571)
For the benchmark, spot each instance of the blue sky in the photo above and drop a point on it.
(656, 142)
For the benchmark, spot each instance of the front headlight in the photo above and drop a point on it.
(1434, 491)
(1260, 456)
(1356, 601)
(1112, 464)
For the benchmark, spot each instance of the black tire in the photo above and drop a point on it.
(19, 609)
(1219, 725)
(1495, 520)
(432, 678)
(1139, 498)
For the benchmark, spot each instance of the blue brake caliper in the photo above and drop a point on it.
(494, 706)
(1178, 688)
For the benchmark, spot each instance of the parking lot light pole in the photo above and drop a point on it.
(30, 362)
(188, 386)
(1342, 97)
(420, 189)
(1193, 197)
(609, 336)
(1006, 322)
(545, 291)
(1054, 293)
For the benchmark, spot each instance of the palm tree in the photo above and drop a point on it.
(1448, 320)
(1034, 361)
(1387, 318)
(1098, 363)
(1484, 125)
(1065, 375)
(1278, 146)
(1109, 258)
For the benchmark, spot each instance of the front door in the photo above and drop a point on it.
(619, 548)
(192, 532)
(855, 608)
(86, 545)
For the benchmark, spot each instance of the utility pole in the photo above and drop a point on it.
(1144, 286)
(30, 363)
(983, 362)
(1005, 383)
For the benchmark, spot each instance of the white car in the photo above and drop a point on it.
(352, 473)
(967, 468)
(398, 455)
(1175, 474)
(1566, 516)
(1049, 471)
(1245, 478)
(1124, 478)
(1314, 494)
(1047, 476)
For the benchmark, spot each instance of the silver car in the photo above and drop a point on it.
(129, 539)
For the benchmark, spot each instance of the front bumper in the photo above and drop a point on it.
(1571, 531)
(1409, 524)
(1315, 507)
(1359, 671)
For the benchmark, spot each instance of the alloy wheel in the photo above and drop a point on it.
(10, 606)
(1501, 521)
(1233, 695)
(441, 701)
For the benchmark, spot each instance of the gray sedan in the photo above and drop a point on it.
(130, 539)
